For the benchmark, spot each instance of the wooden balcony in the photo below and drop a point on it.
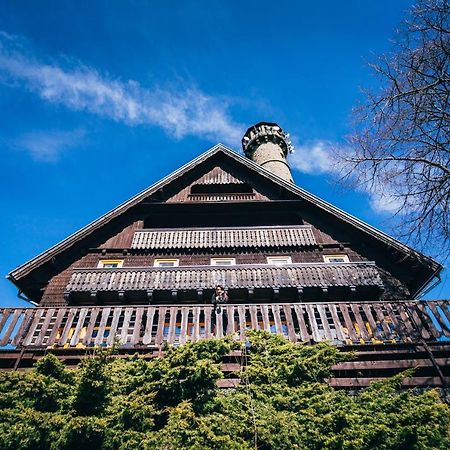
(242, 237)
(248, 277)
(150, 326)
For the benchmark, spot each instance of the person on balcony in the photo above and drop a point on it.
(219, 299)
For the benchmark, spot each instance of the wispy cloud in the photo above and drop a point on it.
(180, 112)
(317, 157)
(48, 146)
(313, 157)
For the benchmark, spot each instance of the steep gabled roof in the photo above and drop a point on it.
(27, 268)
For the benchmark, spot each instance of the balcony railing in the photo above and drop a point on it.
(154, 326)
(323, 275)
(288, 236)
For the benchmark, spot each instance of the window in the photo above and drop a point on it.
(223, 261)
(110, 263)
(279, 260)
(166, 263)
(336, 258)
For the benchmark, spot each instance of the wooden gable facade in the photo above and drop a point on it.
(291, 263)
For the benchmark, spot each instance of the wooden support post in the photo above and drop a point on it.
(300, 293)
(200, 295)
(150, 296)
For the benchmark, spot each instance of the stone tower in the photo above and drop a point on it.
(267, 145)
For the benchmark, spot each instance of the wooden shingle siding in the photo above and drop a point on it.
(153, 326)
(207, 277)
(224, 238)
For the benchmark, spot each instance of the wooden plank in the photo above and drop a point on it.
(82, 315)
(313, 324)
(265, 316)
(207, 311)
(56, 326)
(289, 323)
(326, 327)
(253, 317)
(371, 320)
(277, 319)
(348, 322)
(6, 313)
(147, 338)
(304, 334)
(439, 318)
(444, 304)
(400, 364)
(219, 323)
(172, 324)
(32, 329)
(359, 320)
(102, 326)
(230, 328)
(67, 327)
(24, 326)
(117, 311)
(91, 326)
(161, 321)
(184, 324)
(136, 336)
(382, 320)
(412, 333)
(412, 309)
(398, 326)
(12, 324)
(337, 323)
(242, 321)
(196, 315)
(364, 382)
(125, 326)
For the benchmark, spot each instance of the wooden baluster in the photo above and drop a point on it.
(90, 327)
(9, 330)
(289, 323)
(136, 336)
(31, 331)
(304, 334)
(82, 315)
(147, 338)
(24, 327)
(102, 326)
(172, 324)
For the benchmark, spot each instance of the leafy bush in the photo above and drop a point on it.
(173, 402)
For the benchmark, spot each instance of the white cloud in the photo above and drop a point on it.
(78, 87)
(313, 157)
(48, 146)
(317, 157)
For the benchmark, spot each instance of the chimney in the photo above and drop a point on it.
(268, 145)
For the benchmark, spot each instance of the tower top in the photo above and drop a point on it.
(268, 145)
(264, 132)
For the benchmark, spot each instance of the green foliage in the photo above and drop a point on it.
(172, 402)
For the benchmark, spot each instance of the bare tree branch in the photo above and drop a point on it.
(401, 142)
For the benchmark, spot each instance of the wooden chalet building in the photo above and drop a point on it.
(291, 263)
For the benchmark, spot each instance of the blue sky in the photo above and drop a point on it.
(100, 99)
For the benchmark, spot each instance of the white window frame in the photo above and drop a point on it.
(279, 260)
(158, 261)
(329, 258)
(215, 261)
(103, 262)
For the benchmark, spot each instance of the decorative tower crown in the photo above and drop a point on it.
(268, 145)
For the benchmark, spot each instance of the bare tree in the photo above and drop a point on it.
(401, 144)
